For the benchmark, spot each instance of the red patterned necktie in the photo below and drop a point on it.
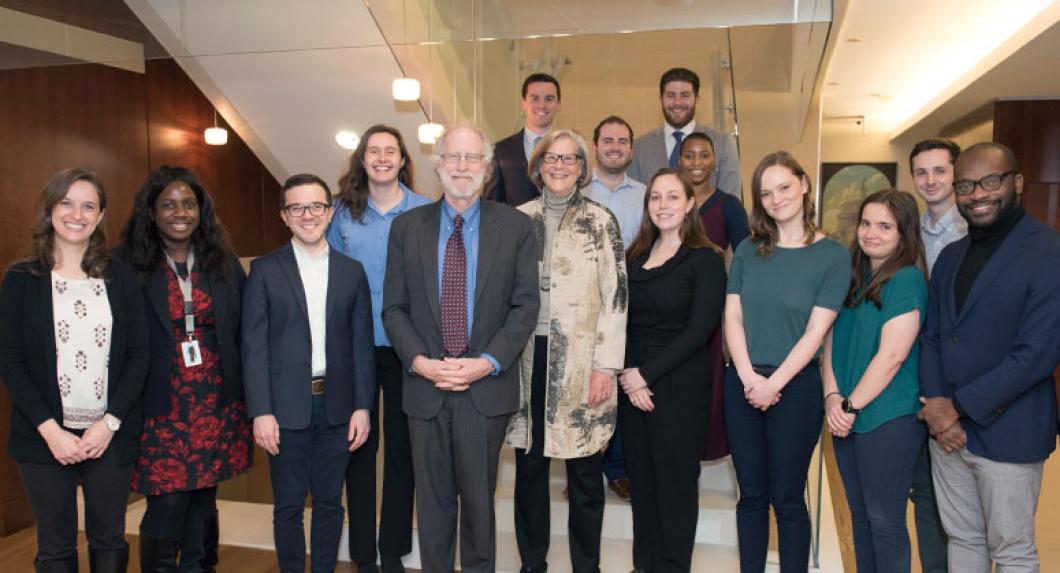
(454, 292)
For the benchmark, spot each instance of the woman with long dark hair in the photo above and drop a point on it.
(376, 188)
(871, 384)
(73, 355)
(676, 297)
(196, 433)
(787, 282)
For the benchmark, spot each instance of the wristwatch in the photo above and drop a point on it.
(849, 408)
(113, 424)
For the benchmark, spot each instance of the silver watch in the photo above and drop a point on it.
(113, 424)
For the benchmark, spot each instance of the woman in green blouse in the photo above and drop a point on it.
(870, 378)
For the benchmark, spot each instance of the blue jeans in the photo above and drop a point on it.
(312, 460)
(877, 470)
(771, 453)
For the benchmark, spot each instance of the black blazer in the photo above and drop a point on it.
(277, 345)
(510, 182)
(27, 360)
(227, 304)
(506, 303)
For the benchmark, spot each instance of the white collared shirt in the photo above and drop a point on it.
(935, 236)
(530, 140)
(314, 272)
(668, 134)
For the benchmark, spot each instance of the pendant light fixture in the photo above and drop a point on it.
(215, 135)
(405, 88)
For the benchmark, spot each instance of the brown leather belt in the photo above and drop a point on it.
(318, 386)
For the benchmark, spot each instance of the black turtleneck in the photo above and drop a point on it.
(985, 240)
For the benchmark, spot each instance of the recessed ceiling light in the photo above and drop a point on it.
(626, 31)
(533, 36)
(347, 139)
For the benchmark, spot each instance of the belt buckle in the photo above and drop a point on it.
(317, 386)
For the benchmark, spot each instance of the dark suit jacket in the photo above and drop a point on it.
(227, 305)
(27, 360)
(506, 303)
(997, 355)
(278, 349)
(510, 183)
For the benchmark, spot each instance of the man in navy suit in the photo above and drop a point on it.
(988, 349)
(510, 183)
(309, 372)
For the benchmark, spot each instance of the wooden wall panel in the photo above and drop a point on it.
(1031, 129)
(121, 125)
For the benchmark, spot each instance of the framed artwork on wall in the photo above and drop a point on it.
(843, 187)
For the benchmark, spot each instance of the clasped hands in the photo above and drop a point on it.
(636, 389)
(67, 448)
(760, 392)
(452, 374)
(943, 423)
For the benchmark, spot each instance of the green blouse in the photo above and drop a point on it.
(856, 340)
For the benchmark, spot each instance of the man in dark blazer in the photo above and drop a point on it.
(540, 103)
(309, 372)
(459, 303)
(988, 349)
(660, 147)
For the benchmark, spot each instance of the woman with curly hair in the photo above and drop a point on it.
(196, 433)
(73, 355)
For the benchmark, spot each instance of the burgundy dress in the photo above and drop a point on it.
(725, 222)
(201, 442)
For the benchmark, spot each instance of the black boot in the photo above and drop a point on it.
(68, 565)
(210, 539)
(158, 554)
(112, 561)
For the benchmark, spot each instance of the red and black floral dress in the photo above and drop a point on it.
(201, 442)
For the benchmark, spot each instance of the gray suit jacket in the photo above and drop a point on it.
(277, 345)
(506, 303)
(649, 155)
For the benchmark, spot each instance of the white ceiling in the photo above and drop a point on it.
(898, 62)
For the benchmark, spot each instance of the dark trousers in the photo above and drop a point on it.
(395, 515)
(663, 462)
(615, 458)
(52, 493)
(455, 456)
(532, 502)
(182, 515)
(930, 536)
(877, 470)
(312, 460)
(771, 453)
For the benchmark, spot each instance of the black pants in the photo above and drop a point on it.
(662, 458)
(395, 519)
(771, 452)
(182, 515)
(532, 504)
(52, 493)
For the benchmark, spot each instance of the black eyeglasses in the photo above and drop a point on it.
(988, 183)
(567, 158)
(315, 209)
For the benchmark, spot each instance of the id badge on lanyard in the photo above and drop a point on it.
(189, 348)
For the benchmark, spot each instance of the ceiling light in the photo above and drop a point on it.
(429, 132)
(406, 89)
(347, 139)
(215, 135)
(625, 31)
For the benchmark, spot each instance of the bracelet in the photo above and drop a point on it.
(830, 394)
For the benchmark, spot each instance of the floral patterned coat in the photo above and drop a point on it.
(587, 330)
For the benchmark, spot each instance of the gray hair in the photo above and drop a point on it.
(487, 145)
(538, 157)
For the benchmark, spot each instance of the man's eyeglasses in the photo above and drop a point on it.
(315, 209)
(470, 158)
(988, 183)
(567, 158)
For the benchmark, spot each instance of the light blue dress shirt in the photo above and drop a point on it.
(471, 235)
(626, 202)
(365, 240)
(950, 228)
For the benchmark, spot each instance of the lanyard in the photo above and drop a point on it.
(185, 292)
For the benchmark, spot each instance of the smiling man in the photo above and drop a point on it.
(988, 349)
(309, 372)
(679, 94)
(540, 103)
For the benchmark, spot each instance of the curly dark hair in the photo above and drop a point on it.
(141, 242)
(353, 185)
(41, 258)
